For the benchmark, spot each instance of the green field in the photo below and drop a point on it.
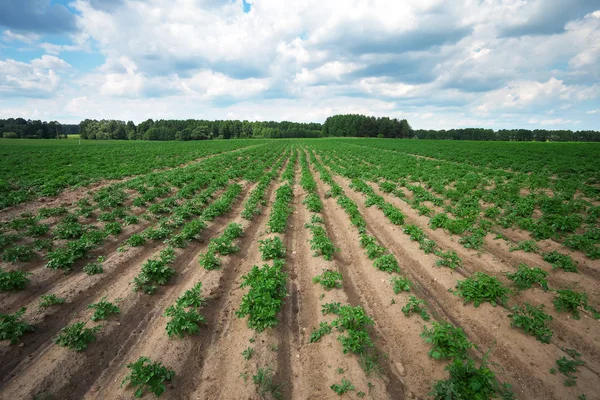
(356, 263)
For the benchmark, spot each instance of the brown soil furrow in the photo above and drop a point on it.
(488, 327)
(316, 364)
(220, 376)
(397, 335)
(576, 332)
(184, 355)
(78, 370)
(44, 279)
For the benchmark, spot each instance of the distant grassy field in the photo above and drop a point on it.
(31, 168)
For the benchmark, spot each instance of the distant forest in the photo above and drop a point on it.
(350, 125)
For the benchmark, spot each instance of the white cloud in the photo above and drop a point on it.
(28, 37)
(38, 78)
(440, 63)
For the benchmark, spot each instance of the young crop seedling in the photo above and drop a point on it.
(568, 367)
(94, 268)
(48, 300)
(416, 306)
(264, 383)
(372, 249)
(528, 246)
(448, 259)
(22, 253)
(525, 277)
(247, 354)
(147, 375)
(570, 300)
(209, 260)
(401, 284)
(103, 309)
(343, 387)
(321, 244)
(263, 300)
(561, 261)
(532, 320)
(183, 321)
(272, 248)
(185, 318)
(480, 288)
(313, 203)
(77, 336)
(447, 340)
(12, 328)
(329, 279)
(11, 281)
(155, 271)
(317, 334)
(466, 381)
(387, 263)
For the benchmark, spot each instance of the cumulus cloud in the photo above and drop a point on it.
(439, 63)
(39, 78)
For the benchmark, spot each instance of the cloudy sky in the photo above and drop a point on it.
(440, 64)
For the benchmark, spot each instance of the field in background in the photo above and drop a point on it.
(300, 268)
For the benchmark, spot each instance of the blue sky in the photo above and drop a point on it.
(440, 64)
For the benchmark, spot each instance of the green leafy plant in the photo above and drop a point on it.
(448, 259)
(372, 249)
(94, 268)
(263, 300)
(313, 203)
(571, 301)
(320, 243)
(343, 387)
(317, 334)
(185, 317)
(264, 380)
(481, 287)
(532, 320)
(103, 309)
(568, 367)
(466, 381)
(48, 300)
(192, 297)
(12, 328)
(417, 306)
(387, 263)
(209, 260)
(401, 284)
(13, 280)
(135, 240)
(447, 340)
(247, 354)
(77, 336)
(528, 246)
(272, 248)
(155, 271)
(21, 253)
(147, 375)
(329, 279)
(525, 277)
(183, 321)
(561, 261)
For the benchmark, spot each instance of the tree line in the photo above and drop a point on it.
(517, 135)
(350, 125)
(356, 125)
(193, 129)
(14, 128)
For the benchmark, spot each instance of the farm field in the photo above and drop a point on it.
(304, 269)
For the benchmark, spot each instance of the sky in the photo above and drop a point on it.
(440, 64)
